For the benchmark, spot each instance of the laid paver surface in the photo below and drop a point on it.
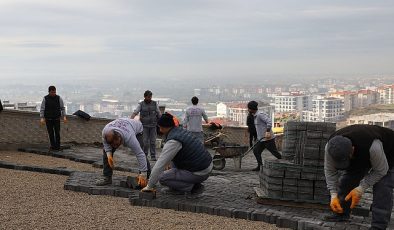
(225, 190)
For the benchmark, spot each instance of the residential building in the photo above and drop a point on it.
(291, 102)
(386, 94)
(325, 109)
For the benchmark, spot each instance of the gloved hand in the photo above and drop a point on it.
(268, 135)
(355, 195)
(142, 179)
(110, 160)
(42, 121)
(65, 119)
(148, 189)
(335, 204)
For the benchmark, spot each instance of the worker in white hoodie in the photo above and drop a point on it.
(129, 133)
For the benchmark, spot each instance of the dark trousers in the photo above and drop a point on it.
(53, 128)
(261, 145)
(150, 134)
(382, 203)
(108, 171)
(252, 137)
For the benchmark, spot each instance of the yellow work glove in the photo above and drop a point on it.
(148, 189)
(110, 160)
(42, 121)
(142, 179)
(355, 195)
(335, 204)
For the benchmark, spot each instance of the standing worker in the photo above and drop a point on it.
(193, 121)
(251, 129)
(52, 109)
(129, 133)
(149, 114)
(365, 153)
(265, 136)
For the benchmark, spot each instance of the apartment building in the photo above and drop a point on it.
(291, 102)
(386, 94)
(325, 109)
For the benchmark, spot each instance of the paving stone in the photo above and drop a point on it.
(287, 222)
(147, 195)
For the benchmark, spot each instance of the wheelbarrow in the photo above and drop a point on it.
(235, 151)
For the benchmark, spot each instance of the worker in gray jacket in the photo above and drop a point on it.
(265, 135)
(364, 153)
(191, 162)
(193, 119)
(149, 113)
(127, 132)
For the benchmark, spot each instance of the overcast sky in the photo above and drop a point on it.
(79, 39)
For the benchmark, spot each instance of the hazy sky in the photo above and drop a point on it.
(79, 39)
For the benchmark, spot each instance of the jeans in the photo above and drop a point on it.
(382, 203)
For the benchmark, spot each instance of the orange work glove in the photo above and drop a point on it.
(335, 204)
(110, 160)
(42, 121)
(65, 119)
(355, 195)
(142, 181)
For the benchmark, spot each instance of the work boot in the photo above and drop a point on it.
(152, 158)
(335, 217)
(197, 189)
(257, 169)
(104, 181)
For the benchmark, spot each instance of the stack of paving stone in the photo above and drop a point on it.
(300, 175)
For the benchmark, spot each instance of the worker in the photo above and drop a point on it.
(364, 153)
(193, 119)
(251, 129)
(191, 162)
(265, 136)
(52, 109)
(128, 132)
(149, 113)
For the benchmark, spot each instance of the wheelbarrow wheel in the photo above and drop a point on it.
(218, 162)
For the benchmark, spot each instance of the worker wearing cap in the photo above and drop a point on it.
(128, 132)
(191, 162)
(365, 154)
(193, 121)
(265, 136)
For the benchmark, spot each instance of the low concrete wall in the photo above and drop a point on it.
(22, 128)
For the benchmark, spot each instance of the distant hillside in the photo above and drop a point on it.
(371, 110)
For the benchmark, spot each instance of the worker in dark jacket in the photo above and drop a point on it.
(191, 162)
(251, 129)
(365, 154)
(52, 109)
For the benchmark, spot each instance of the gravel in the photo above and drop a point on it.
(32, 200)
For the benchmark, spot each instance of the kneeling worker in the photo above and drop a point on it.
(365, 153)
(129, 133)
(191, 162)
